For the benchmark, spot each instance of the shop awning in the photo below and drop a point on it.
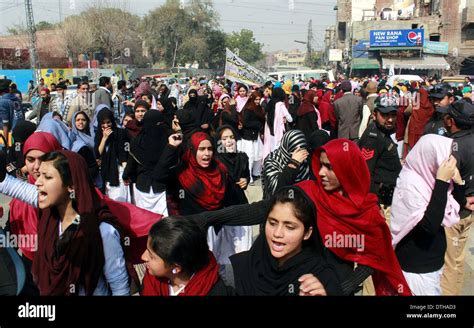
(365, 63)
(418, 63)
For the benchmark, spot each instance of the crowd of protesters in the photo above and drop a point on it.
(139, 187)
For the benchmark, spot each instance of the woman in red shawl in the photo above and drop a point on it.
(179, 262)
(23, 218)
(348, 212)
(134, 221)
(419, 118)
(197, 182)
(79, 247)
(350, 225)
(326, 109)
(307, 119)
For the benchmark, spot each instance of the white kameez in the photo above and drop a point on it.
(254, 151)
(121, 193)
(150, 201)
(424, 284)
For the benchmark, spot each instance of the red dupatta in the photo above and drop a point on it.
(206, 186)
(200, 284)
(355, 214)
(24, 217)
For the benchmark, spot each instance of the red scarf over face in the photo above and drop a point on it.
(307, 105)
(62, 265)
(357, 215)
(206, 186)
(200, 284)
(24, 217)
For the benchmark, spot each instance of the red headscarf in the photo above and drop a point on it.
(419, 118)
(206, 186)
(24, 217)
(326, 109)
(307, 105)
(355, 214)
(200, 284)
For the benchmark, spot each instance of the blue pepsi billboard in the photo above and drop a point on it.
(397, 38)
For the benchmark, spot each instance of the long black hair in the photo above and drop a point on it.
(180, 241)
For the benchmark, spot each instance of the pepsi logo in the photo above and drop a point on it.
(412, 37)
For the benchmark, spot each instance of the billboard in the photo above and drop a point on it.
(433, 47)
(335, 55)
(397, 38)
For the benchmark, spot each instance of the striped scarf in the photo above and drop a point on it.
(278, 160)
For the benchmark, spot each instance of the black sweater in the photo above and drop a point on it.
(307, 123)
(423, 249)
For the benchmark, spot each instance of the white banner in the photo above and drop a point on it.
(237, 70)
(335, 55)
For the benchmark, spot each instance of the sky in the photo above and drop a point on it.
(273, 22)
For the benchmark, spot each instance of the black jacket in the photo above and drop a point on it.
(380, 152)
(251, 125)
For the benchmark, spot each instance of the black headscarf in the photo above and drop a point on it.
(22, 131)
(169, 110)
(277, 96)
(235, 162)
(317, 139)
(147, 147)
(110, 155)
(257, 273)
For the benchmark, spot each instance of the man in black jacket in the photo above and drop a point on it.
(380, 151)
(458, 120)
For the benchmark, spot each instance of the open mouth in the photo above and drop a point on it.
(277, 247)
(42, 196)
(206, 161)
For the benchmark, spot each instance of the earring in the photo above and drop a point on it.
(72, 195)
(174, 271)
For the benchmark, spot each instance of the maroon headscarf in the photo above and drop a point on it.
(355, 213)
(24, 217)
(62, 265)
(206, 186)
(307, 105)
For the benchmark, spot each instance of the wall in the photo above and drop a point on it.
(358, 6)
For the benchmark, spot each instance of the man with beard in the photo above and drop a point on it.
(380, 151)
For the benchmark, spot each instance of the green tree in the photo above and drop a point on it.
(249, 49)
(181, 35)
(43, 25)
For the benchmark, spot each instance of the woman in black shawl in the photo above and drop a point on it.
(145, 153)
(286, 261)
(110, 150)
(199, 109)
(236, 162)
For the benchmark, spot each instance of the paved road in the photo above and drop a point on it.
(254, 194)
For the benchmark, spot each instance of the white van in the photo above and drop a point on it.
(394, 78)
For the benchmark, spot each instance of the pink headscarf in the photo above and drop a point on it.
(240, 103)
(415, 186)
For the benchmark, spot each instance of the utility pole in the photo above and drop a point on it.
(30, 23)
(309, 50)
(60, 12)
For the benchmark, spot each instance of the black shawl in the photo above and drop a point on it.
(277, 96)
(110, 155)
(256, 272)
